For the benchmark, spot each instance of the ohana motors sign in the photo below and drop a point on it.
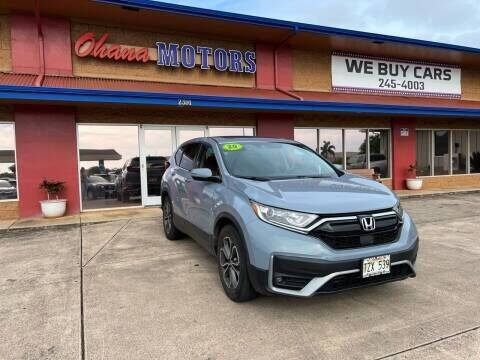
(168, 54)
(370, 75)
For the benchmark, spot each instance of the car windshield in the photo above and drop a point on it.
(274, 160)
(96, 179)
(5, 184)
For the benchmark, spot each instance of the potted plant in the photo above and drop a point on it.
(52, 208)
(413, 183)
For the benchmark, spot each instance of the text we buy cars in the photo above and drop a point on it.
(378, 75)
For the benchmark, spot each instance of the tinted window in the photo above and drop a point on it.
(208, 160)
(189, 153)
(274, 160)
(178, 156)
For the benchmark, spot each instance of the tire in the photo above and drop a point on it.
(171, 232)
(232, 265)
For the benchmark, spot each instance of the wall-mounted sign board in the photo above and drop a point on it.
(370, 75)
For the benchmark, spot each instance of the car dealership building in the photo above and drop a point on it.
(98, 93)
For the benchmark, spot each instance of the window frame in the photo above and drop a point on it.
(318, 129)
(15, 159)
(450, 131)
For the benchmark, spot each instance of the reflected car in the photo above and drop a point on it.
(100, 188)
(7, 190)
(128, 181)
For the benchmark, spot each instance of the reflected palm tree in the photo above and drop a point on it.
(327, 149)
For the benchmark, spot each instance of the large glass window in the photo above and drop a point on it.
(441, 159)
(379, 142)
(8, 170)
(474, 151)
(109, 166)
(308, 137)
(424, 152)
(356, 148)
(231, 131)
(459, 151)
(331, 145)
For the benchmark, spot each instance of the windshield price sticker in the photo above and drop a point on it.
(360, 74)
(232, 147)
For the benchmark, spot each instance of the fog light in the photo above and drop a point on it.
(279, 279)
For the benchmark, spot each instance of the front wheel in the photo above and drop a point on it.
(232, 266)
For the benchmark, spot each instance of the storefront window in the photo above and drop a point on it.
(441, 152)
(331, 145)
(230, 131)
(378, 141)
(109, 166)
(8, 171)
(474, 151)
(307, 137)
(356, 148)
(424, 152)
(459, 152)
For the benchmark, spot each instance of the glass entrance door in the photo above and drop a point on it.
(157, 144)
(185, 133)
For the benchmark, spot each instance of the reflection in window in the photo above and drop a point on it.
(8, 171)
(379, 151)
(158, 149)
(331, 146)
(424, 152)
(474, 151)
(441, 152)
(109, 166)
(230, 131)
(356, 148)
(307, 137)
(460, 152)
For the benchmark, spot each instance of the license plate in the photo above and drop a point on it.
(377, 265)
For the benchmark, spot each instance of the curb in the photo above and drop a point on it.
(453, 192)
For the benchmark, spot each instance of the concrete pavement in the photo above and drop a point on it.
(145, 297)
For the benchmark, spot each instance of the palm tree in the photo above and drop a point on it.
(327, 149)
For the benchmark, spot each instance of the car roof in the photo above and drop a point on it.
(225, 139)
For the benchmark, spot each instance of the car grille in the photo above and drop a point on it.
(351, 281)
(349, 234)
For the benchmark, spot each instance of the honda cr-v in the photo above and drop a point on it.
(281, 219)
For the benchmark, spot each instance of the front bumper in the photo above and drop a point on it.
(305, 277)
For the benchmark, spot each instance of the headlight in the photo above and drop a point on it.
(399, 210)
(284, 218)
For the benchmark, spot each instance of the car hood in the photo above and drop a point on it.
(347, 194)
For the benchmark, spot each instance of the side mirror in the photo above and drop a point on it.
(204, 174)
(338, 166)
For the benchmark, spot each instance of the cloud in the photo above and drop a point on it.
(436, 20)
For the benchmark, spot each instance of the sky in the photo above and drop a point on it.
(455, 22)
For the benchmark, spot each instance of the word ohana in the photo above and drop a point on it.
(174, 55)
(86, 45)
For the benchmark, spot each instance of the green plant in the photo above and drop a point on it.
(412, 169)
(475, 161)
(327, 149)
(52, 188)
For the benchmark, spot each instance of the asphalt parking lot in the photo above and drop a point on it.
(144, 297)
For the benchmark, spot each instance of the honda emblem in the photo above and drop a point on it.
(368, 223)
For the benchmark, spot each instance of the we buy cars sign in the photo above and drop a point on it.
(369, 75)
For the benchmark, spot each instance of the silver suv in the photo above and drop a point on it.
(281, 219)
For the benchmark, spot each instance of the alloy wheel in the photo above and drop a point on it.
(167, 216)
(230, 263)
